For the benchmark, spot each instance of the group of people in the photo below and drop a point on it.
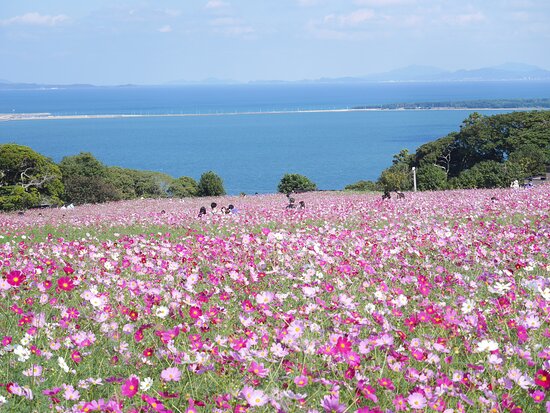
(230, 209)
(387, 195)
(292, 203)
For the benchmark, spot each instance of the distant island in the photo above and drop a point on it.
(465, 104)
(510, 72)
(489, 104)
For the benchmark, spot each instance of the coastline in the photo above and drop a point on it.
(6, 117)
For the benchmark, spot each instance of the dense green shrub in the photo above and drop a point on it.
(486, 174)
(15, 197)
(27, 178)
(296, 183)
(90, 190)
(184, 186)
(210, 184)
(396, 178)
(431, 178)
(363, 186)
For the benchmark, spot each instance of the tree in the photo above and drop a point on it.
(431, 177)
(486, 174)
(27, 178)
(530, 160)
(295, 183)
(86, 180)
(184, 186)
(210, 184)
(396, 178)
(363, 186)
(90, 190)
(83, 164)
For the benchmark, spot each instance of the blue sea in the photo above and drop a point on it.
(251, 152)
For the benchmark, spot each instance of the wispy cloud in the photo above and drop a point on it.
(165, 29)
(383, 3)
(231, 26)
(216, 4)
(463, 19)
(308, 3)
(354, 18)
(35, 19)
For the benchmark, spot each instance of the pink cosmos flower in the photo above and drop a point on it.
(171, 374)
(417, 401)
(258, 369)
(130, 387)
(386, 383)
(301, 381)
(343, 345)
(542, 378)
(15, 278)
(256, 398)
(195, 312)
(332, 404)
(65, 283)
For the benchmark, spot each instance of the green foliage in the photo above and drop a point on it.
(487, 174)
(83, 164)
(488, 151)
(14, 197)
(133, 183)
(27, 178)
(431, 177)
(530, 160)
(210, 184)
(296, 183)
(437, 152)
(123, 180)
(184, 186)
(396, 178)
(90, 190)
(363, 186)
(86, 180)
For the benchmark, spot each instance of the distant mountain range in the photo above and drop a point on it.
(507, 71)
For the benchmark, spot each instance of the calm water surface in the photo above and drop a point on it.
(250, 152)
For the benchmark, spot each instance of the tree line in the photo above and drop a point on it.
(487, 152)
(29, 179)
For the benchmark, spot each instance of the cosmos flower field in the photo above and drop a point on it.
(436, 303)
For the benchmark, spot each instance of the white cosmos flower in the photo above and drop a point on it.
(500, 288)
(96, 301)
(161, 311)
(22, 353)
(545, 293)
(145, 384)
(486, 345)
(63, 364)
(467, 306)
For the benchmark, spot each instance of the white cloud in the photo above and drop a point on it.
(383, 3)
(36, 19)
(354, 18)
(224, 21)
(465, 18)
(165, 29)
(216, 4)
(231, 26)
(307, 3)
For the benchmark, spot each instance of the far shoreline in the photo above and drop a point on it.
(7, 117)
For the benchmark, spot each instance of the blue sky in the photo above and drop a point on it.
(151, 42)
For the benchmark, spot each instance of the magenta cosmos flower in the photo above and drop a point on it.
(65, 283)
(542, 378)
(130, 387)
(15, 278)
